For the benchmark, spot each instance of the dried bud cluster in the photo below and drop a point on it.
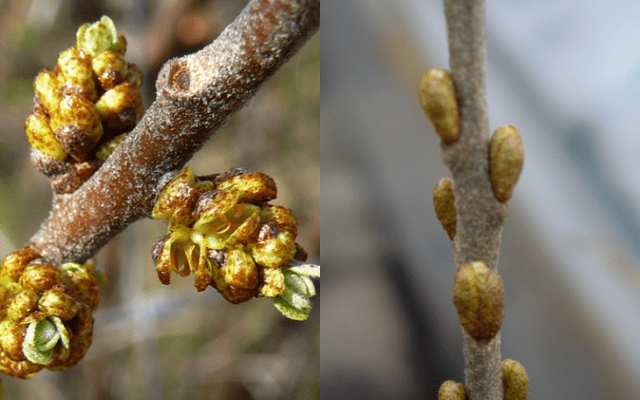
(92, 97)
(506, 156)
(45, 313)
(479, 299)
(451, 390)
(438, 98)
(223, 229)
(444, 204)
(515, 381)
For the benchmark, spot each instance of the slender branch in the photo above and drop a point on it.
(196, 94)
(480, 216)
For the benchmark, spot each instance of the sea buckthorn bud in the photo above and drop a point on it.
(56, 302)
(98, 37)
(240, 270)
(41, 137)
(15, 263)
(105, 150)
(274, 247)
(76, 124)
(39, 277)
(451, 390)
(47, 90)
(479, 299)
(46, 164)
(506, 156)
(123, 97)
(11, 338)
(515, 381)
(233, 294)
(438, 99)
(254, 187)
(273, 282)
(282, 217)
(444, 204)
(110, 68)
(75, 75)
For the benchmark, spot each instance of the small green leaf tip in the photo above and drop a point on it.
(451, 390)
(443, 202)
(98, 37)
(42, 337)
(506, 157)
(514, 380)
(438, 99)
(293, 302)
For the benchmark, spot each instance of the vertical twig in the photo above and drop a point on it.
(480, 216)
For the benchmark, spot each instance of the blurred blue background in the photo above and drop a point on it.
(566, 74)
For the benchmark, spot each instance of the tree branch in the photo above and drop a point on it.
(480, 216)
(196, 94)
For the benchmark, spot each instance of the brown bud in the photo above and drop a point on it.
(479, 299)
(450, 390)
(506, 156)
(443, 202)
(438, 99)
(515, 381)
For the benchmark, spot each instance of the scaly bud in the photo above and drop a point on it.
(515, 381)
(438, 99)
(443, 202)
(451, 390)
(506, 156)
(479, 299)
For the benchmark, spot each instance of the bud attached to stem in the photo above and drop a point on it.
(506, 156)
(479, 299)
(443, 202)
(514, 380)
(438, 99)
(451, 390)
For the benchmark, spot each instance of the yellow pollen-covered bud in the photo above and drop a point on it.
(515, 381)
(123, 97)
(506, 156)
(479, 299)
(41, 137)
(76, 124)
(110, 68)
(438, 98)
(451, 390)
(47, 90)
(443, 202)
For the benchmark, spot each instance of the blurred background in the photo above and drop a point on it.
(567, 75)
(169, 342)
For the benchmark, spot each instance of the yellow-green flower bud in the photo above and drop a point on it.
(57, 303)
(273, 282)
(515, 381)
(254, 187)
(123, 97)
(109, 147)
(47, 90)
(282, 217)
(41, 137)
(75, 75)
(15, 263)
(451, 390)
(506, 158)
(110, 68)
(76, 124)
(11, 338)
(444, 204)
(240, 270)
(98, 37)
(479, 299)
(438, 98)
(39, 277)
(20, 305)
(274, 247)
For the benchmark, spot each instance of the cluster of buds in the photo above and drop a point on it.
(515, 384)
(45, 313)
(83, 109)
(222, 228)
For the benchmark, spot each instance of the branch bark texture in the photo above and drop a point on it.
(196, 94)
(480, 216)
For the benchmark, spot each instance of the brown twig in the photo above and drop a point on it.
(480, 216)
(195, 95)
